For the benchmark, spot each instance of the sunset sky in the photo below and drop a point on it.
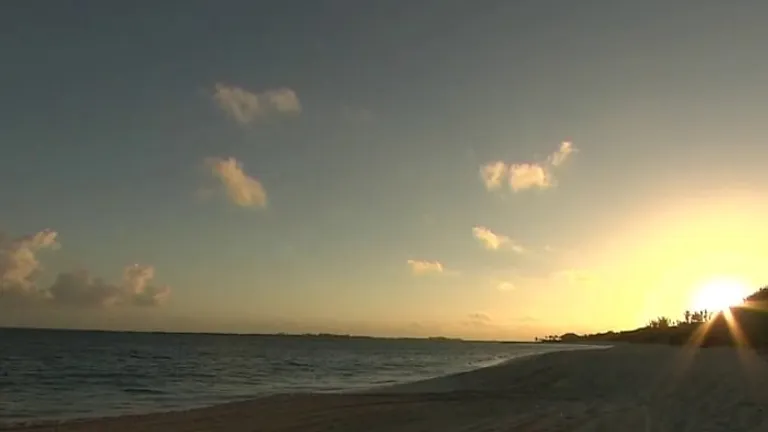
(483, 169)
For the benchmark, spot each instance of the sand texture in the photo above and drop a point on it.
(625, 388)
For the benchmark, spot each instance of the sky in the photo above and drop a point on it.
(489, 169)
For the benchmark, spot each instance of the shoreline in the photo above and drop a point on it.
(628, 388)
(444, 382)
(371, 389)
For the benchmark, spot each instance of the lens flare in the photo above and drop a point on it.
(718, 295)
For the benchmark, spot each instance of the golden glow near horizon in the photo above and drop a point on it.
(663, 261)
(719, 294)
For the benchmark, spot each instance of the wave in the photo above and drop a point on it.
(145, 391)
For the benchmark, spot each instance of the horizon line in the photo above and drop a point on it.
(277, 334)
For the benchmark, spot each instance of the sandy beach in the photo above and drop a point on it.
(625, 388)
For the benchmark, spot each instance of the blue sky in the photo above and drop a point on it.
(145, 133)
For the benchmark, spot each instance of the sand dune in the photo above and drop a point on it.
(626, 388)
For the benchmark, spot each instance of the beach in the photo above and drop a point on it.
(624, 388)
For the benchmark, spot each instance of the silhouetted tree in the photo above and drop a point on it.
(751, 319)
(660, 323)
(759, 296)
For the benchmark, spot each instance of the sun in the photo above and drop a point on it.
(718, 294)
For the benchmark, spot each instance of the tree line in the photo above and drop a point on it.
(751, 317)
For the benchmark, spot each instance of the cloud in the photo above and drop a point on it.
(523, 176)
(526, 175)
(489, 239)
(558, 157)
(505, 286)
(283, 100)
(495, 241)
(242, 189)
(419, 267)
(245, 107)
(136, 280)
(493, 174)
(19, 269)
(19, 265)
(79, 288)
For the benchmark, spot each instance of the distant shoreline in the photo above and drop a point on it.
(281, 334)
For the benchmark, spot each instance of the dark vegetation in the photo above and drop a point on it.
(743, 324)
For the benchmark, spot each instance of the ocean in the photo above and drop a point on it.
(65, 374)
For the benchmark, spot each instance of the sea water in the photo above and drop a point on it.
(57, 374)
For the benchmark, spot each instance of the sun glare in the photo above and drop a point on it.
(718, 294)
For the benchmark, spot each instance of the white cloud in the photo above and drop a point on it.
(523, 176)
(493, 174)
(242, 189)
(19, 265)
(505, 286)
(420, 267)
(558, 157)
(245, 106)
(495, 241)
(283, 100)
(136, 280)
(489, 239)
